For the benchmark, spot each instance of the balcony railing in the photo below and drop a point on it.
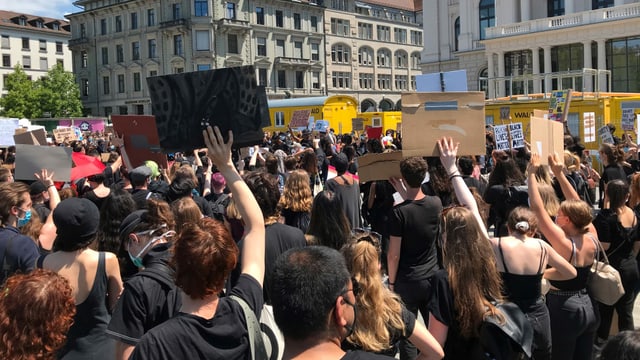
(78, 41)
(233, 24)
(567, 21)
(281, 60)
(174, 22)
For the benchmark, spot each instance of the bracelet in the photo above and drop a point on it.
(454, 176)
(54, 185)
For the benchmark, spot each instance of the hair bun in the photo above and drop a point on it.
(522, 226)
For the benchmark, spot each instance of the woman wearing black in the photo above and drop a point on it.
(500, 194)
(612, 158)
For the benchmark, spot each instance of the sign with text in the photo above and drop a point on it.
(605, 135)
(559, 105)
(517, 135)
(628, 119)
(63, 134)
(501, 136)
(300, 119)
(589, 126)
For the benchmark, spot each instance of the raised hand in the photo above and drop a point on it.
(534, 163)
(448, 151)
(217, 150)
(45, 177)
(556, 164)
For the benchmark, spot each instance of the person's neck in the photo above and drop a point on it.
(414, 194)
(313, 348)
(204, 308)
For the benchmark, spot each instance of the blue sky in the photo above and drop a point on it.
(49, 8)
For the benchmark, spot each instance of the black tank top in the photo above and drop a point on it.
(577, 283)
(519, 287)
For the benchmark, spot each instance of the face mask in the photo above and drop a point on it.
(137, 260)
(27, 216)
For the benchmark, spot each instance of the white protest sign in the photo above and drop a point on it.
(589, 127)
(605, 135)
(7, 130)
(501, 137)
(517, 135)
(628, 119)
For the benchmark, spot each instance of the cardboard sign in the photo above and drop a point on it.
(547, 138)
(605, 135)
(427, 117)
(7, 130)
(357, 124)
(501, 137)
(321, 126)
(559, 105)
(30, 159)
(628, 119)
(185, 104)
(505, 113)
(63, 134)
(141, 140)
(373, 167)
(300, 119)
(517, 135)
(35, 137)
(373, 132)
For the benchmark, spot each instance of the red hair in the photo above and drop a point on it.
(204, 255)
(36, 312)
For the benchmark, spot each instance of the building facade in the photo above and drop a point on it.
(36, 43)
(512, 47)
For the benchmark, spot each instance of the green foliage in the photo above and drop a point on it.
(56, 93)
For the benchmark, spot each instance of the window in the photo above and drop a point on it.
(400, 35)
(55, 26)
(59, 47)
(456, 34)
(297, 49)
(315, 51)
(201, 7)
(22, 21)
(401, 60)
(135, 50)
(365, 56)
(341, 80)
(279, 118)
(84, 59)
(232, 43)
(279, 18)
(282, 79)
(280, 47)
(43, 45)
(151, 43)
(85, 87)
(60, 62)
(339, 5)
(384, 82)
(384, 58)
(118, 23)
(401, 82)
(6, 60)
(139, 109)
(105, 56)
(105, 85)
(315, 80)
(231, 10)
(622, 54)
(415, 61)
(4, 81)
(39, 24)
(137, 86)
(599, 4)
(103, 26)
(555, 8)
(123, 110)
(260, 15)
(262, 77)
(177, 45)
(487, 16)
(416, 37)
(340, 54)
(25, 43)
(153, 73)
(365, 80)
(340, 27)
(299, 79)
(108, 110)
(83, 30)
(176, 11)
(151, 17)
(203, 67)
(134, 21)
(262, 46)
(5, 42)
(365, 31)
(119, 54)
(202, 40)
(413, 82)
(121, 83)
(297, 22)
(384, 33)
(314, 23)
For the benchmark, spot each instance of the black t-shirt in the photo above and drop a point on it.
(416, 222)
(187, 336)
(363, 355)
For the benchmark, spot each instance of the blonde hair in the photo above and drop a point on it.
(379, 309)
(543, 176)
(549, 199)
(579, 213)
(297, 195)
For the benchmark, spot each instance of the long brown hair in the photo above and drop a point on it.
(471, 266)
(297, 195)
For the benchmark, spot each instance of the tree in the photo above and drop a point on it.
(59, 93)
(21, 100)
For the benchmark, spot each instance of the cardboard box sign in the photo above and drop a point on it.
(185, 104)
(140, 139)
(427, 117)
(64, 133)
(30, 159)
(547, 137)
(373, 167)
(34, 137)
(300, 119)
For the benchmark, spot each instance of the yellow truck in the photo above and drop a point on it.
(387, 120)
(337, 110)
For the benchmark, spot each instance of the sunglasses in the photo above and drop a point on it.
(372, 237)
(355, 287)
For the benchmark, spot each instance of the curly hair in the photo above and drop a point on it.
(297, 195)
(204, 255)
(36, 312)
(379, 309)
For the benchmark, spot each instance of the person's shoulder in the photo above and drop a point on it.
(363, 355)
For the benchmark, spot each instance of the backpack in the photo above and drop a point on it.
(265, 339)
(164, 276)
(510, 340)
(219, 207)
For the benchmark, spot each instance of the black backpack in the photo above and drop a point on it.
(219, 207)
(164, 275)
(508, 340)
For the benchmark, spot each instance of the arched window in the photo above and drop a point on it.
(365, 56)
(340, 54)
(483, 82)
(367, 105)
(384, 58)
(386, 105)
(401, 59)
(415, 61)
(487, 16)
(456, 32)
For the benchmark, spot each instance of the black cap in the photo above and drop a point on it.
(131, 221)
(37, 188)
(140, 173)
(76, 218)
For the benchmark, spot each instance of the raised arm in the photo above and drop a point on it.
(567, 189)
(254, 237)
(448, 151)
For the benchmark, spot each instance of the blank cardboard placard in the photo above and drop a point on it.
(140, 138)
(185, 104)
(34, 137)
(30, 159)
(7, 130)
(427, 117)
(547, 137)
(379, 166)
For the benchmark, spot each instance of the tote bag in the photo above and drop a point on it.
(604, 282)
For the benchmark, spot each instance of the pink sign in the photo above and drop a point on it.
(84, 124)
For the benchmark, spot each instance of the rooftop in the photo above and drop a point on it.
(21, 21)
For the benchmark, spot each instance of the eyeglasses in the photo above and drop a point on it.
(152, 231)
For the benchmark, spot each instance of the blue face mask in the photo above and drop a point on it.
(27, 216)
(136, 260)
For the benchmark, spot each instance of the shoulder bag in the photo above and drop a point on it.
(317, 185)
(604, 282)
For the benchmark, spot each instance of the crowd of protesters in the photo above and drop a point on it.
(143, 261)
